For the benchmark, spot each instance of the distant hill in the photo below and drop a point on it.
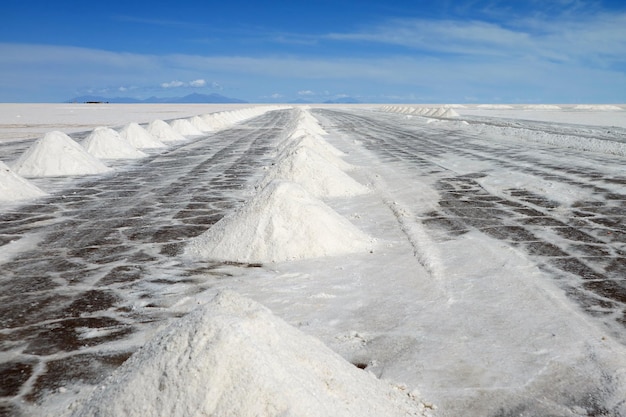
(190, 98)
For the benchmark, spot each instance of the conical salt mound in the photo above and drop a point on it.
(283, 222)
(233, 357)
(200, 124)
(316, 174)
(164, 132)
(106, 143)
(56, 154)
(15, 188)
(319, 145)
(139, 137)
(185, 128)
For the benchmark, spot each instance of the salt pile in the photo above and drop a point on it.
(597, 107)
(282, 222)
(163, 132)
(185, 128)
(320, 146)
(200, 124)
(315, 173)
(139, 137)
(444, 112)
(15, 188)
(106, 143)
(233, 357)
(56, 154)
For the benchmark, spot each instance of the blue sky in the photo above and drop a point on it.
(435, 51)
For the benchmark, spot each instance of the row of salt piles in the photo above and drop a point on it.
(57, 154)
(287, 219)
(233, 356)
(443, 112)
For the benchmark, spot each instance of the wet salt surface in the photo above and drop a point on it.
(104, 268)
(583, 245)
(105, 274)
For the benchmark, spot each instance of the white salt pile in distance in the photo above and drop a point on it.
(199, 123)
(315, 173)
(56, 154)
(164, 132)
(15, 188)
(106, 143)
(282, 222)
(233, 357)
(139, 137)
(185, 128)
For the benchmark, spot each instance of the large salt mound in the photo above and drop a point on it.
(282, 222)
(184, 127)
(106, 143)
(56, 154)
(315, 173)
(15, 188)
(233, 357)
(163, 132)
(139, 137)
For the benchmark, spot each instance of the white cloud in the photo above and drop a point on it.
(197, 83)
(276, 95)
(173, 84)
(306, 93)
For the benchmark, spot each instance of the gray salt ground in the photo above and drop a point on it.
(106, 272)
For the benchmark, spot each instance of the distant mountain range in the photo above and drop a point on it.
(191, 98)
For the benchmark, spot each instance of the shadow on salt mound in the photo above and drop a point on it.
(185, 128)
(164, 132)
(56, 154)
(139, 137)
(233, 357)
(315, 173)
(282, 222)
(15, 188)
(106, 143)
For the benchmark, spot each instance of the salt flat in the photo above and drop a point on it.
(495, 285)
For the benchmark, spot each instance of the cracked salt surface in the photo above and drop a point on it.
(488, 291)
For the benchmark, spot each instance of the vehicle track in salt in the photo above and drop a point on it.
(104, 268)
(582, 246)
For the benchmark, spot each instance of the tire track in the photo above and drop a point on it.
(581, 246)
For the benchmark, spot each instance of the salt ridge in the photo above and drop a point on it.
(106, 143)
(56, 154)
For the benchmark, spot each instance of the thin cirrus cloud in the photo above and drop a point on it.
(572, 57)
(176, 83)
(599, 38)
